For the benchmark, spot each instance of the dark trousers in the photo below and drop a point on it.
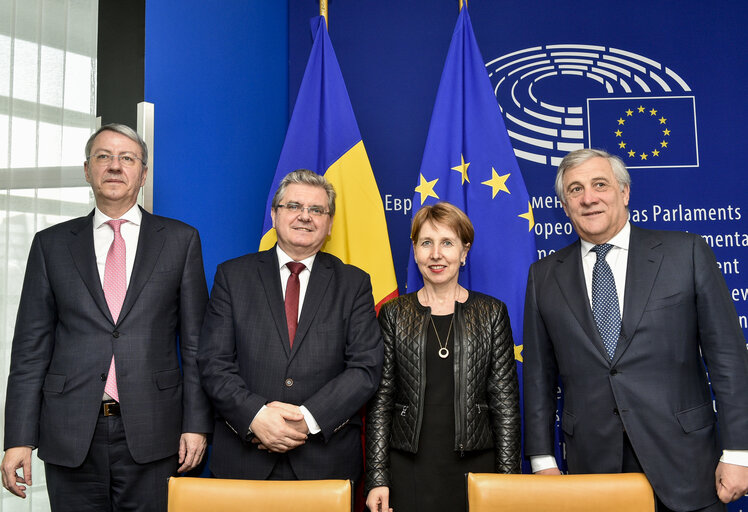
(109, 480)
(282, 469)
(631, 465)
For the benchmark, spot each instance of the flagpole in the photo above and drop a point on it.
(323, 11)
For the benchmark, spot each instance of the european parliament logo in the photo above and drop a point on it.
(562, 97)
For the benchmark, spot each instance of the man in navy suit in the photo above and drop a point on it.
(290, 349)
(627, 318)
(109, 303)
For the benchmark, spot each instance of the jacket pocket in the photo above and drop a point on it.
(168, 378)
(664, 302)
(696, 418)
(567, 423)
(54, 383)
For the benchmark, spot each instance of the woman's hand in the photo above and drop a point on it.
(378, 499)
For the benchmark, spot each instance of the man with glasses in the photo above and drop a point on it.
(290, 349)
(110, 302)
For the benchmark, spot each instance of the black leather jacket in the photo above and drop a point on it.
(486, 387)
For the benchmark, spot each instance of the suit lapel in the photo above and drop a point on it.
(641, 271)
(84, 257)
(150, 242)
(269, 274)
(570, 277)
(319, 281)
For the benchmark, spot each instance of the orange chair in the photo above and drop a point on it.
(222, 495)
(623, 492)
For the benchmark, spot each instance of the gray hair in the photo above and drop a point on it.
(305, 177)
(122, 129)
(580, 156)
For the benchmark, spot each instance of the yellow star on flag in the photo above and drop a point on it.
(663, 120)
(629, 113)
(632, 153)
(618, 133)
(640, 109)
(529, 216)
(656, 152)
(518, 352)
(653, 112)
(663, 144)
(621, 120)
(666, 131)
(644, 156)
(621, 144)
(497, 182)
(426, 188)
(462, 169)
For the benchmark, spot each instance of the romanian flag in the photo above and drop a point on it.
(323, 136)
(469, 162)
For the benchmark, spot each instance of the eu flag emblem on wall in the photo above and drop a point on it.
(647, 131)
(469, 162)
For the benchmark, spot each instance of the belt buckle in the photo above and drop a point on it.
(110, 408)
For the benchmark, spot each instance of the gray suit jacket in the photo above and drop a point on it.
(65, 338)
(676, 308)
(246, 361)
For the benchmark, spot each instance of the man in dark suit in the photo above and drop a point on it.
(95, 380)
(290, 349)
(623, 317)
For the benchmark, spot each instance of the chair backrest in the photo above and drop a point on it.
(623, 492)
(222, 495)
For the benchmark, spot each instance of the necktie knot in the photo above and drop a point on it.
(295, 267)
(116, 224)
(602, 250)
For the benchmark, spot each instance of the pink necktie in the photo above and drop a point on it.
(292, 298)
(115, 287)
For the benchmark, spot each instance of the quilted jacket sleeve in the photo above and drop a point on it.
(379, 411)
(503, 394)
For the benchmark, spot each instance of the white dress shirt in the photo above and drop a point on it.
(617, 259)
(104, 236)
(284, 258)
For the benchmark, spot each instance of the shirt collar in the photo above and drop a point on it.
(620, 240)
(133, 215)
(284, 258)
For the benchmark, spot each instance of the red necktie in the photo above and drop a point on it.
(115, 288)
(292, 298)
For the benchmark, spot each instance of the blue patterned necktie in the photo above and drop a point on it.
(605, 300)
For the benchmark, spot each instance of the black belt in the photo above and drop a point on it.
(110, 408)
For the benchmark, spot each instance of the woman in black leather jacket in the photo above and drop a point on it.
(448, 402)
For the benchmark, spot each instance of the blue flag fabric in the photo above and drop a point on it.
(469, 162)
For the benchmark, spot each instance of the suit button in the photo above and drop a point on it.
(613, 371)
(289, 383)
(115, 334)
(103, 377)
(615, 411)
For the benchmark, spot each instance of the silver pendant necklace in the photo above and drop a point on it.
(443, 350)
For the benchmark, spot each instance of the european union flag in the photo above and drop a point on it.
(469, 162)
(647, 131)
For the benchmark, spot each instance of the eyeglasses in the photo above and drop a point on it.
(125, 159)
(314, 211)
